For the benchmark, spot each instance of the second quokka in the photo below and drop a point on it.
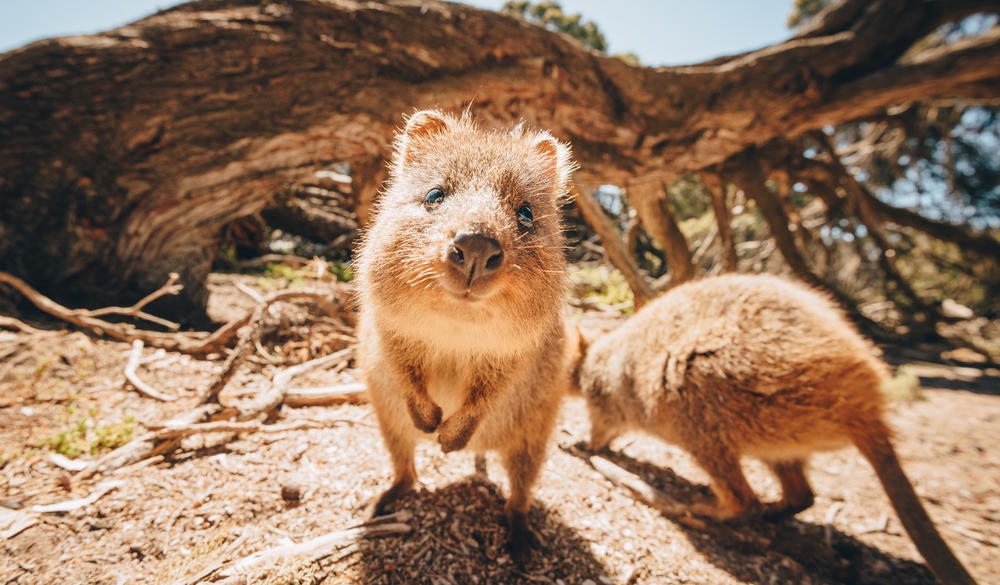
(460, 280)
(753, 365)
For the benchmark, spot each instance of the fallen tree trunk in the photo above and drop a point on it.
(124, 154)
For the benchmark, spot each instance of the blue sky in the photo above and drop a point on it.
(662, 32)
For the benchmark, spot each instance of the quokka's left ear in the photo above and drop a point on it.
(420, 129)
(557, 161)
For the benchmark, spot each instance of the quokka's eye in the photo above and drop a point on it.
(434, 196)
(525, 218)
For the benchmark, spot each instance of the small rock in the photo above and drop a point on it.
(291, 492)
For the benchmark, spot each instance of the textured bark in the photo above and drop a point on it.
(723, 219)
(123, 155)
(617, 252)
(750, 178)
(650, 201)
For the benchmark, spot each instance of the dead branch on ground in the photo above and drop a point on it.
(132, 376)
(89, 321)
(323, 546)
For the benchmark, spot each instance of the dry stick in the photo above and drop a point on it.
(12, 323)
(145, 446)
(196, 345)
(647, 493)
(164, 441)
(70, 505)
(88, 321)
(170, 288)
(322, 546)
(176, 431)
(221, 338)
(639, 488)
(270, 399)
(348, 392)
(135, 358)
(154, 443)
(253, 294)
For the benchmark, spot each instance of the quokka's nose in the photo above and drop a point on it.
(475, 255)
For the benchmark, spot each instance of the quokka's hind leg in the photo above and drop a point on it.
(522, 462)
(401, 444)
(480, 465)
(734, 498)
(796, 494)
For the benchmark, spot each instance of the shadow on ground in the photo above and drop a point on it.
(459, 536)
(779, 552)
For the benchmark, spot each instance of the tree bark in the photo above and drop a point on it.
(723, 218)
(123, 155)
(616, 252)
(750, 178)
(652, 205)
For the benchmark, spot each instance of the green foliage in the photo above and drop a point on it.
(277, 270)
(602, 285)
(804, 10)
(85, 436)
(550, 15)
(342, 270)
(688, 198)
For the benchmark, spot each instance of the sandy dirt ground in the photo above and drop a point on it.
(222, 497)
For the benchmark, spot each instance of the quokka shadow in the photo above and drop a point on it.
(459, 536)
(758, 551)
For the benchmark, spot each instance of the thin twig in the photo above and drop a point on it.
(12, 323)
(348, 392)
(225, 426)
(253, 294)
(70, 505)
(135, 358)
(170, 288)
(319, 547)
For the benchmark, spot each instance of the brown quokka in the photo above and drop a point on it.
(752, 365)
(461, 283)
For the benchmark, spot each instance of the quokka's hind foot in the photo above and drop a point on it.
(521, 539)
(382, 505)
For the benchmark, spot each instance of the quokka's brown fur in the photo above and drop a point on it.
(461, 283)
(754, 365)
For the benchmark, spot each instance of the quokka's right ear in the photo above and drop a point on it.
(421, 127)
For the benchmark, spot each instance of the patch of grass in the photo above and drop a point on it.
(276, 270)
(114, 435)
(903, 387)
(86, 437)
(601, 284)
(342, 270)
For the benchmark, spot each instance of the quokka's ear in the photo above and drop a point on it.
(420, 127)
(557, 161)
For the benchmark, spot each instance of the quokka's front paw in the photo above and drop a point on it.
(454, 433)
(425, 414)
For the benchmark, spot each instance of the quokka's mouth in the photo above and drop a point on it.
(458, 288)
